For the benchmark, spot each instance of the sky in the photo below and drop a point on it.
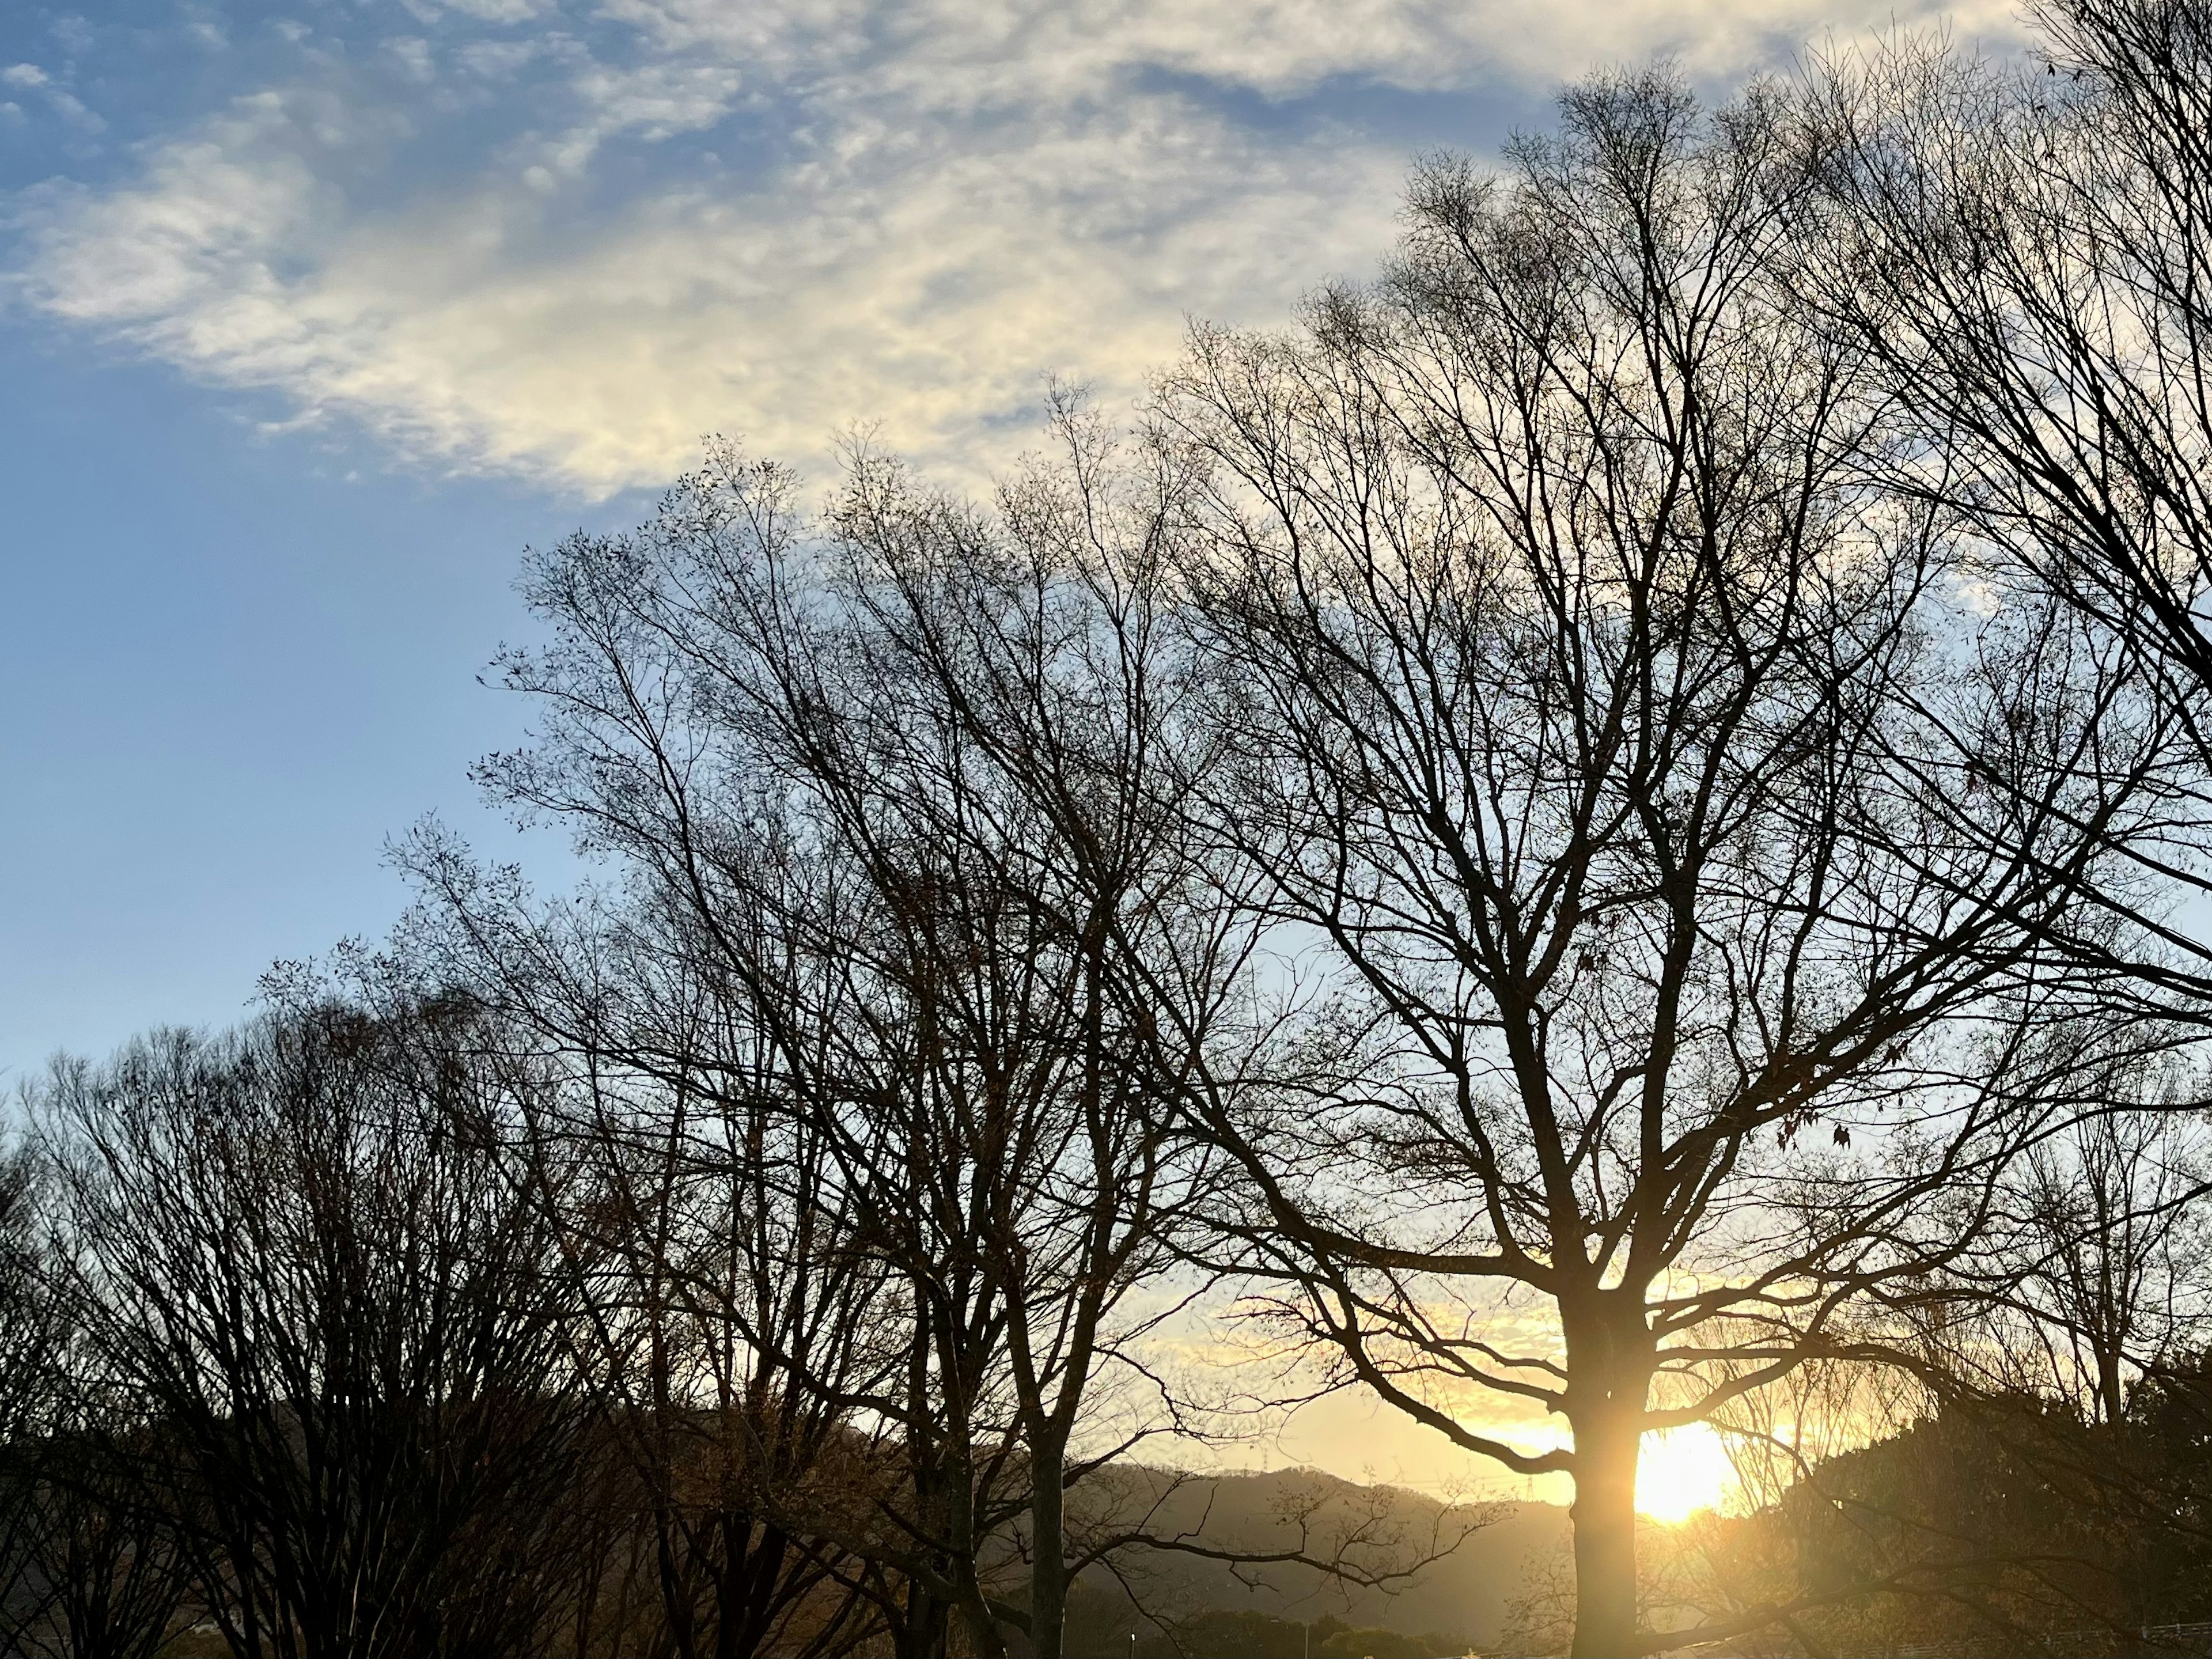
(314, 314)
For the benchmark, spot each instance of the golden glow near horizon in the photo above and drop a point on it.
(1354, 1437)
(1683, 1471)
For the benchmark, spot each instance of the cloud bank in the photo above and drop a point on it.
(561, 240)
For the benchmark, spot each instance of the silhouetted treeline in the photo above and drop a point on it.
(1997, 1524)
(1609, 831)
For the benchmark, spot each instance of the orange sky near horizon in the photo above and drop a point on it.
(1355, 1437)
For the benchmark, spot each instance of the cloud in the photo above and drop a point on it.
(31, 78)
(926, 287)
(777, 220)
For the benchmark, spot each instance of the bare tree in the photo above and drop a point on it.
(106, 1572)
(1027, 718)
(2116, 1203)
(31, 1332)
(2025, 256)
(1596, 726)
(89, 1564)
(732, 1328)
(771, 940)
(2087, 1277)
(737, 1324)
(898, 794)
(297, 1248)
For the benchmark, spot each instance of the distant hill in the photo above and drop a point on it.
(1460, 1598)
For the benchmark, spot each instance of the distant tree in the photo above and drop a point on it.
(2168, 1487)
(31, 1332)
(1991, 1521)
(730, 1321)
(2035, 1466)
(2105, 1274)
(298, 1250)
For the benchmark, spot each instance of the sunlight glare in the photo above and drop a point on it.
(1681, 1472)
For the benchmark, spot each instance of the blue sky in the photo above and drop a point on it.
(313, 314)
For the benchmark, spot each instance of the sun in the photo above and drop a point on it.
(1682, 1471)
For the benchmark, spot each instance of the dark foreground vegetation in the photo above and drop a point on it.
(2083, 1535)
(1611, 832)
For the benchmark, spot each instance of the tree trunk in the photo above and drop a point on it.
(678, 1598)
(985, 1639)
(2112, 1391)
(1607, 1440)
(1049, 1576)
(921, 1633)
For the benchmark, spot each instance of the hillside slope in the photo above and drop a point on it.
(1462, 1595)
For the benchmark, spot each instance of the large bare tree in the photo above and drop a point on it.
(887, 789)
(1599, 726)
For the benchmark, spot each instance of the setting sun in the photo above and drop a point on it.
(1681, 1472)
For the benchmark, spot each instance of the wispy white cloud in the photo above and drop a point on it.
(778, 219)
(30, 77)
